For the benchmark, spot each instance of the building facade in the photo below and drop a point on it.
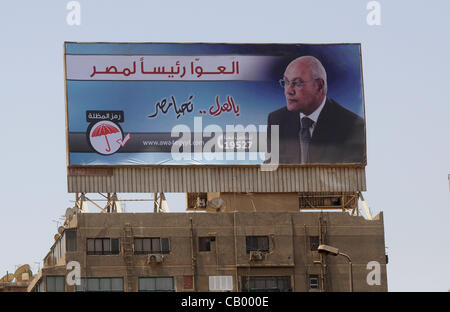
(226, 251)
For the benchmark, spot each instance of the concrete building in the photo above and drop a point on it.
(233, 250)
(14, 287)
(17, 281)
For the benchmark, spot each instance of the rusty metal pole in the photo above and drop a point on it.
(194, 262)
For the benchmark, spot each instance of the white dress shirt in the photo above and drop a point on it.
(313, 116)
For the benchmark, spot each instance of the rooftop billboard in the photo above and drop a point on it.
(214, 104)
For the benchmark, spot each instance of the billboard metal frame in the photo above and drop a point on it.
(77, 179)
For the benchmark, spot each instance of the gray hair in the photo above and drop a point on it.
(317, 69)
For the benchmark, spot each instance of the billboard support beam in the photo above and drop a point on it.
(112, 203)
(160, 203)
(80, 202)
(331, 201)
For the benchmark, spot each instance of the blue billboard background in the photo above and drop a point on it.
(137, 99)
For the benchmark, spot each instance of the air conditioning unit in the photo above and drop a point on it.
(155, 258)
(256, 255)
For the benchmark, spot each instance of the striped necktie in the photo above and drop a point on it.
(305, 138)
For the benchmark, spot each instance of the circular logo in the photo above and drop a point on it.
(105, 137)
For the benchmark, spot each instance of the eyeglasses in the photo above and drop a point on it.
(294, 84)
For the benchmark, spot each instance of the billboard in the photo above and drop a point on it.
(214, 104)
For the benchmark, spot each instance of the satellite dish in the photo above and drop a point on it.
(61, 230)
(21, 271)
(216, 204)
(8, 278)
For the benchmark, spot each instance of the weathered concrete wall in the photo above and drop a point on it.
(289, 247)
(260, 202)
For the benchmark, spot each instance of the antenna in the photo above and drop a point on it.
(8, 278)
(38, 265)
(57, 222)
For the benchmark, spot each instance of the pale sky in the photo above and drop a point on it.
(405, 67)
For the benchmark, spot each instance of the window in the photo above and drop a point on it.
(71, 240)
(107, 284)
(38, 287)
(266, 283)
(115, 246)
(103, 246)
(336, 201)
(58, 251)
(188, 282)
(314, 243)
(151, 245)
(204, 243)
(156, 284)
(221, 283)
(260, 243)
(314, 282)
(55, 283)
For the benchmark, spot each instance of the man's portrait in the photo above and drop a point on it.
(314, 128)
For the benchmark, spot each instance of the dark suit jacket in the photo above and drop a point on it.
(338, 137)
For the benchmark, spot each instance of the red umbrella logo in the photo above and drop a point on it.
(105, 129)
(106, 137)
